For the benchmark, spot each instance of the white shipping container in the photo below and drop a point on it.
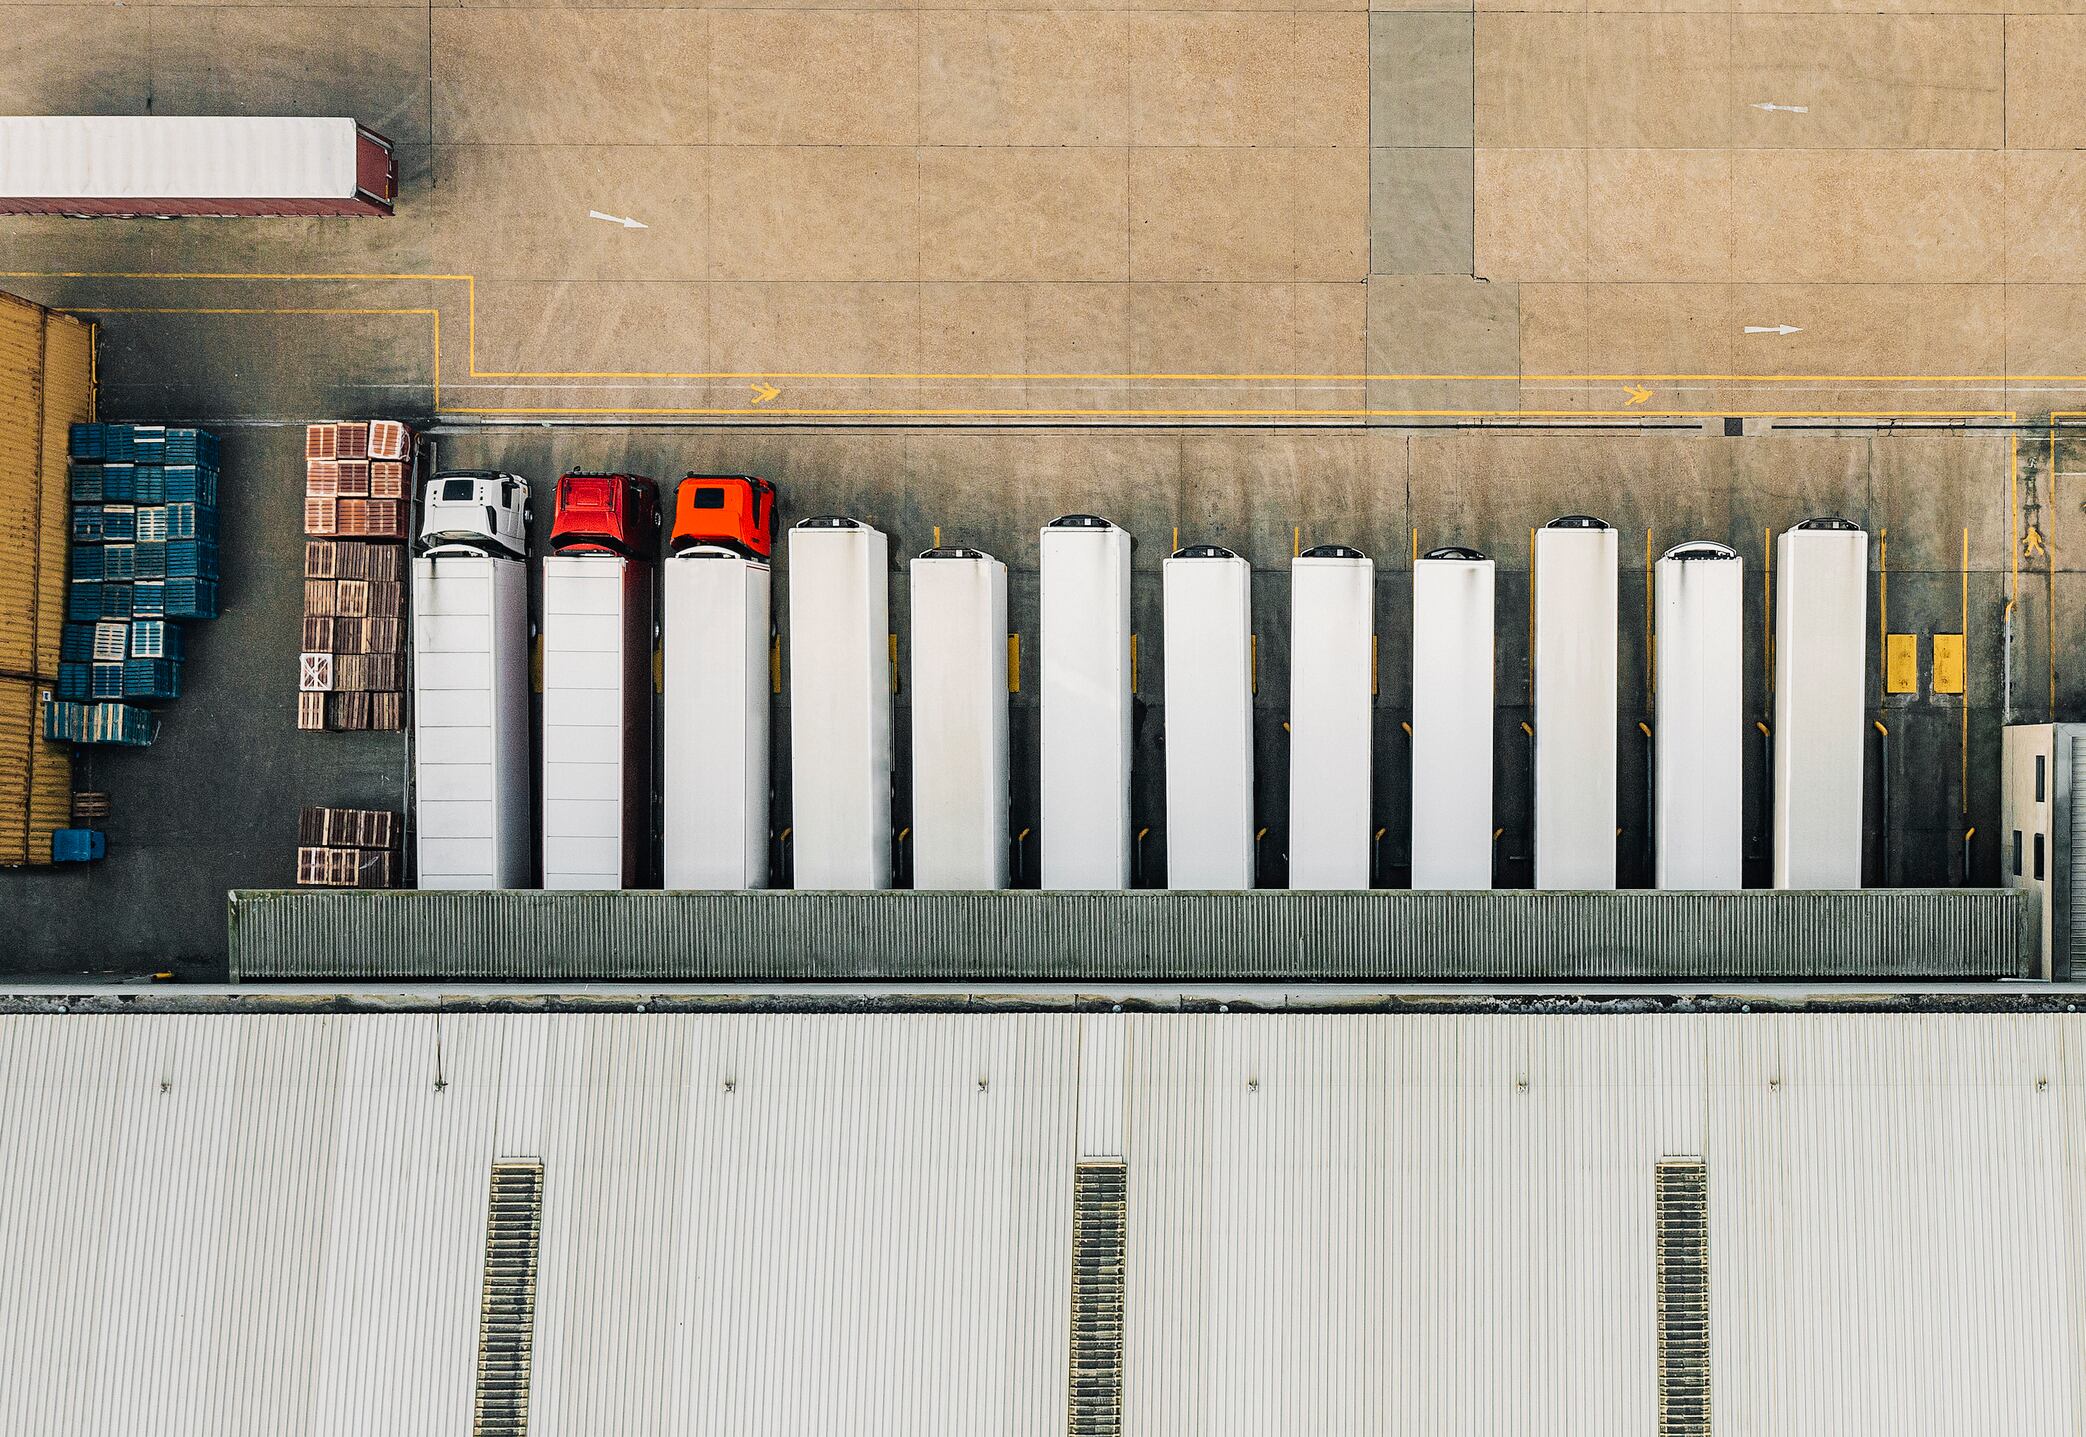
(1452, 697)
(597, 721)
(1208, 611)
(1821, 694)
(1576, 583)
(471, 773)
(1332, 626)
(1086, 713)
(182, 164)
(959, 699)
(840, 704)
(717, 684)
(1699, 717)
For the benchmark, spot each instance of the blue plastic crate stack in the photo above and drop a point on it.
(144, 563)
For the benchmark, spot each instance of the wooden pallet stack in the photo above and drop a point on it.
(359, 478)
(348, 848)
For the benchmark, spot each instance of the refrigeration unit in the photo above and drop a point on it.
(1208, 613)
(2043, 837)
(471, 773)
(1452, 719)
(1698, 719)
(840, 704)
(959, 695)
(1821, 694)
(1332, 625)
(1084, 813)
(597, 683)
(1575, 703)
(716, 719)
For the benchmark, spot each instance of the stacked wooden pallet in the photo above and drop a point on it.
(348, 848)
(359, 477)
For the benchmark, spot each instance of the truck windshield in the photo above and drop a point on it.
(459, 491)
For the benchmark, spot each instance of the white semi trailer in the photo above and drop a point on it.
(597, 721)
(840, 703)
(1332, 626)
(1452, 601)
(471, 774)
(1086, 720)
(1699, 723)
(1821, 690)
(716, 719)
(959, 688)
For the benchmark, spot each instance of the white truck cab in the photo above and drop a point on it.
(475, 509)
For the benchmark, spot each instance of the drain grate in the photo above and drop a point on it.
(1098, 1223)
(507, 1312)
(1682, 1186)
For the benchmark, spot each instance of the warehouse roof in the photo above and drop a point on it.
(837, 1223)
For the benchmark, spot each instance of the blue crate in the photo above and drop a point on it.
(151, 679)
(192, 483)
(111, 641)
(116, 444)
(98, 723)
(76, 643)
(85, 482)
(115, 599)
(78, 845)
(119, 561)
(191, 559)
(83, 600)
(152, 523)
(89, 561)
(191, 446)
(74, 682)
(151, 561)
(149, 442)
(151, 484)
(154, 639)
(119, 523)
(119, 483)
(192, 521)
(191, 599)
(106, 681)
(148, 599)
(87, 441)
(87, 524)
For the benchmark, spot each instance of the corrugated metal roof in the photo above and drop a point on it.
(1381, 934)
(862, 1224)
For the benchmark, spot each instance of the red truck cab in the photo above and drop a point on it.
(606, 514)
(728, 511)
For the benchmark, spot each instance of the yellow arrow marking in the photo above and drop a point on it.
(763, 392)
(1638, 394)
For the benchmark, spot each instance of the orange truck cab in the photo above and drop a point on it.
(606, 514)
(729, 511)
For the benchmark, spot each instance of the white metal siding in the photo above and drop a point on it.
(1575, 696)
(176, 157)
(1332, 612)
(1084, 793)
(716, 721)
(1452, 723)
(779, 1224)
(1821, 690)
(959, 711)
(472, 778)
(840, 707)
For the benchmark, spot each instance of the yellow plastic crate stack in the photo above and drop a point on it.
(46, 386)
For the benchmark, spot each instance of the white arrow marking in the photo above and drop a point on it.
(1787, 109)
(1774, 329)
(628, 224)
